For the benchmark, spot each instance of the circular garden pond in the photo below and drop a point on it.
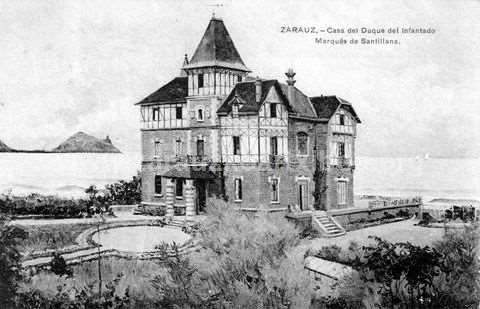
(139, 238)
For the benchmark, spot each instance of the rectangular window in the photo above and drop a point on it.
(236, 145)
(340, 149)
(341, 192)
(157, 148)
(239, 79)
(155, 113)
(200, 81)
(178, 112)
(179, 187)
(273, 146)
(273, 110)
(200, 148)
(238, 189)
(274, 187)
(178, 147)
(158, 184)
(341, 120)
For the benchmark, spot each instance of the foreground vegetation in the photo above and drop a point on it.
(402, 275)
(248, 261)
(99, 200)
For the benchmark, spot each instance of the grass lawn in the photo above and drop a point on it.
(402, 231)
(51, 236)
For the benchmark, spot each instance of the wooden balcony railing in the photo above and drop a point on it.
(343, 129)
(341, 161)
(193, 159)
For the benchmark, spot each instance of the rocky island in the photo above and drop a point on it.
(4, 148)
(79, 142)
(82, 142)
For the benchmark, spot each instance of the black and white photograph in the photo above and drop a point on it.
(239, 154)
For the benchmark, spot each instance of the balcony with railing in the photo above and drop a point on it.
(277, 160)
(193, 159)
(342, 129)
(341, 161)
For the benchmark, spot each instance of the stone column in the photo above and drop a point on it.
(169, 199)
(189, 200)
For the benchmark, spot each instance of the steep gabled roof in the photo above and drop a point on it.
(216, 48)
(174, 90)
(326, 106)
(245, 91)
(301, 103)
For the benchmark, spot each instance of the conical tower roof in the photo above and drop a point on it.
(216, 49)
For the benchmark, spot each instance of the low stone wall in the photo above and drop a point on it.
(302, 220)
(347, 217)
(85, 244)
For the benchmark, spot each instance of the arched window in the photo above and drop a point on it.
(200, 114)
(302, 143)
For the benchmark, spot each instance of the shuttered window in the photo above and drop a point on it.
(341, 192)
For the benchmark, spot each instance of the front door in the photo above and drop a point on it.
(200, 196)
(303, 195)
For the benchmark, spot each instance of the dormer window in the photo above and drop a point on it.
(200, 81)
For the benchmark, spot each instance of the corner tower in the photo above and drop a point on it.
(216, 65)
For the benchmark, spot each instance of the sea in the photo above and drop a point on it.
(68, 175)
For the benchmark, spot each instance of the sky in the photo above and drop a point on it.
(69, 66)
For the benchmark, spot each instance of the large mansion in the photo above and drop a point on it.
(215, 132)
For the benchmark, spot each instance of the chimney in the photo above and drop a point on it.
(258, 89)
(290, 82)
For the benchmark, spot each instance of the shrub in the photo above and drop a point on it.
(246, 261)
(59, 267)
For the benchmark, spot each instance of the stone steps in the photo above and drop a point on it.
(327, 226)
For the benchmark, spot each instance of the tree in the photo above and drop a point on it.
(58, 265)
(10, 236)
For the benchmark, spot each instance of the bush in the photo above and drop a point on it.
(59, 267)
(125, 192)
(246, 261)
(84, 298)
(402, 275)
(35, 204)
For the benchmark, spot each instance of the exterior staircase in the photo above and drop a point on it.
(327, 225)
